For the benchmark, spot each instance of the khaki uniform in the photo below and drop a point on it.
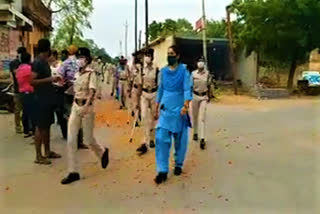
(84, 82)
(124, 80)
(135, 93)
(201, 86)
(109, 71)
(115, 80)
(148, 102)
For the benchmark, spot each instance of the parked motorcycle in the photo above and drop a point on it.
(6, 98)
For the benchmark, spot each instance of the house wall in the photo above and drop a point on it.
(247, 70)
(160, 51)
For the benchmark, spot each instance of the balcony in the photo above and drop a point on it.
(38, 13)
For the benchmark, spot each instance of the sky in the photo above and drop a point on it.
(109, 18)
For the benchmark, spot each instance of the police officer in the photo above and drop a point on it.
(98, 68)
(148, 101)
(124, 81)
(201, 96)
(82, 113)
(136, 77)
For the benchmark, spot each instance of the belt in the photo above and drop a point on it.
(123, 79)
(150, 90)
(135, 86)
(200, 94)
(81, 102)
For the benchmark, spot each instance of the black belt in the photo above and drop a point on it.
(150, 91)
(81, 102)
(136, 86)
(200, 94)
(123, 79)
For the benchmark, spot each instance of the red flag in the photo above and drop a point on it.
(199, 24)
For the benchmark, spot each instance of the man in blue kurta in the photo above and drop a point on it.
(173, 98)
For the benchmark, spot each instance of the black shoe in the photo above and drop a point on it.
(161, 177)
(177, 171)
(72, 177)
(195, 137)
(111, 94)
(142, 149)
(82, 146)
(152, 144)
(137, 124)
(27, 135)
(105, 159)
(132, 114)
(203, 144)
(121, 107)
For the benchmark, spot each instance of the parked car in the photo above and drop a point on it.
(309, 82)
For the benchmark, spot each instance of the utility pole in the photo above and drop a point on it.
(126, 40)
(140, 39)
(232, 54)
(136, 26)
(120, 48)
(147, 24)
(204, 33)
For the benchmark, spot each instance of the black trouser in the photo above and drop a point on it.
(60, 112)
(28, 113)
(68, 101)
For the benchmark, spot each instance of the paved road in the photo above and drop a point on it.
(263, 157)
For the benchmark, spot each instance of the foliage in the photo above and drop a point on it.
(283, 31)
(216, 29)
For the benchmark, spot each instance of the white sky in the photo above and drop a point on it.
(109, 18)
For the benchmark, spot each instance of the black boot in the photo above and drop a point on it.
(142, 149)
(203, 144)
(132, 114)
(105, 159)
(111, 94)
(195, 137)
(152, 144)
(161, 177)
(177, 171)
(72, 177)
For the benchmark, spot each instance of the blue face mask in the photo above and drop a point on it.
(172, 60)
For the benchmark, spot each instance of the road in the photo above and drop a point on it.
(262, 157)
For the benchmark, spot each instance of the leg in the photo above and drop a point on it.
(25, 116)
(73, 129)
(17, 113)
(153, 122)
(62, 121)
(144, 116)
(163, 145)
(195, 116)
(181, 145)
(202, 118)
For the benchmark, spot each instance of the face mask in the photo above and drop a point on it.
(200, 65)
(99, 60)
(81, 63)
(172, 60)
(147, 60)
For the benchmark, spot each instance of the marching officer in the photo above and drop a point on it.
(148, 101)
(201, 96)
(124, 81)
(82, 113)
(136, 89)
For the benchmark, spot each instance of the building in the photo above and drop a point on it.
(22, 23)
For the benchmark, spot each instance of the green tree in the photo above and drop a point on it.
(216, 29)
(280, 30)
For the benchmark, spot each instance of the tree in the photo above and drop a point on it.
(216, 29)
(284, 31)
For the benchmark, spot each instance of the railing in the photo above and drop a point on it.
(37, 12)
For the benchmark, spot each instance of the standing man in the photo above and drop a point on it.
(148, 101)
(124, 78)
(201, 96)
(17, 99)
(44, 105)
(68, 70)
(136, 89)
(83, 113)
(98, 68)
(173, 99)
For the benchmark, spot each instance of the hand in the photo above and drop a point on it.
(57, 79)
(184, 111)
(157, 114)
(84, 111)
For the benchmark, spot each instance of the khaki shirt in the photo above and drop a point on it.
(136, 76)
(149, 77)
(201, 81)
(124, 74)
(83, 83)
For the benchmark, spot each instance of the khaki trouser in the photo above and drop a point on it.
(148, 109)
(114, 85)
(99, 85)
(109, 75)
(76, 121)
(123, 84)
(135, 103)
(199, 110)
(17, 112)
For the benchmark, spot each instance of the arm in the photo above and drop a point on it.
(36, 82)
(92, 88)
(187, 85)
(160, 89)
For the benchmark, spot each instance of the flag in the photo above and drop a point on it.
(199, 25)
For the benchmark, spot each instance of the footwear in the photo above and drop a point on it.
(27, 135)
(72, 177)
(121, 107)
(105, 159)
(53, 155)
(177, 171)
(152, 144)
(42, 161)
(19, 131)
(142, 149)
(161, 177)
(82, 146)
(195, 137)
(203, 144)
(111, 94)
(137, 124)
(132, 114)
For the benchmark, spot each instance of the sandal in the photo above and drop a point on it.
(53, 155)
(42, 161)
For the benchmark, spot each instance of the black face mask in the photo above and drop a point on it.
(172, 60)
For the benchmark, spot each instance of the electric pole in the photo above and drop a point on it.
(140, 39)
(204, 32)
(147, 24)
(136, 26)
(126, 40)
(232, 54)
(120, 48)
